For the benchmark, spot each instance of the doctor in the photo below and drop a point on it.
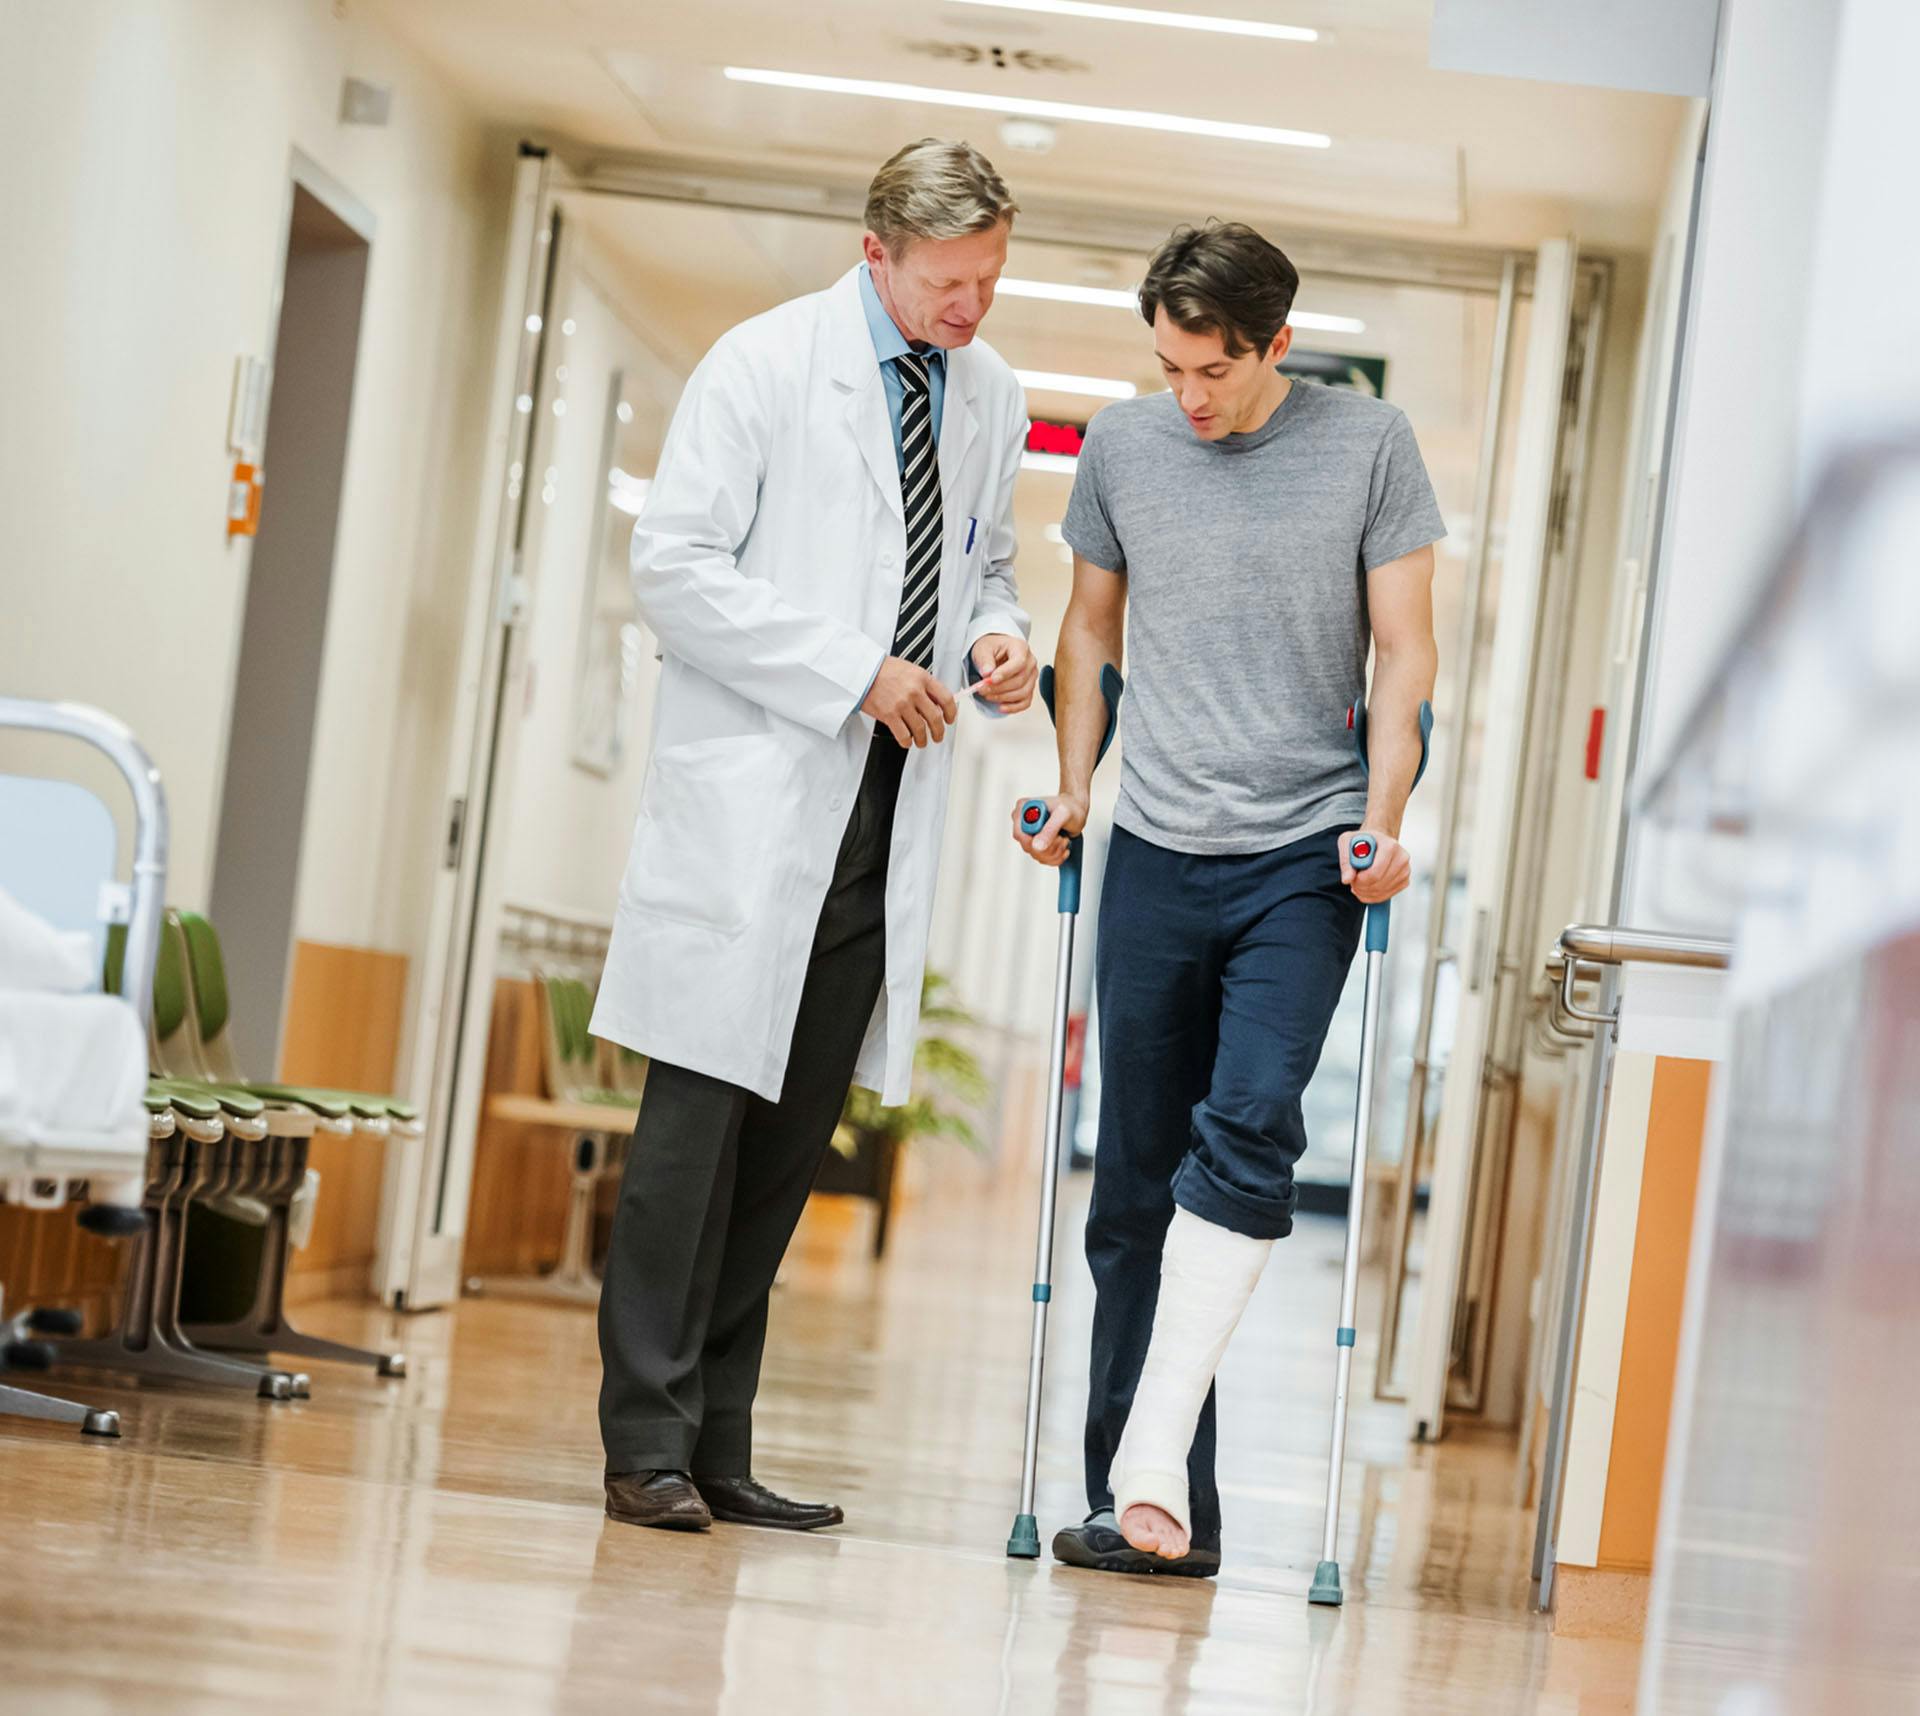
(826, 553)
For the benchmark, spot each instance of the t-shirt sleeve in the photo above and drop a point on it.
(1402, 514)
(1088, 526)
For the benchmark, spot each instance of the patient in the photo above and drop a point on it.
(1249, 537)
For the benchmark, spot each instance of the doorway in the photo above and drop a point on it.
(263, 800)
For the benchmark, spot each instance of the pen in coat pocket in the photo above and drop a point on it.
(973, 524)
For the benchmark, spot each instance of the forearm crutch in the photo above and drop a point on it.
(1025, 1541)
(1361, 854)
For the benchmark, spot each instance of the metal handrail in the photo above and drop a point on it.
(146, 898)
(1610, 944)
(1553, 1002)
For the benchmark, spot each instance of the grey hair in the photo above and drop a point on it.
(936, 189)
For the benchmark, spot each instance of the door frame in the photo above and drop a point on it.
(304, 173)
(424, 1194)
(1489, 871)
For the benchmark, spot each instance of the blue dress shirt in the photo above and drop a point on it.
(889, 343)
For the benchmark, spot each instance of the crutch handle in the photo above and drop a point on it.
(1034, 811)
(1362, 850)
(1033, 818)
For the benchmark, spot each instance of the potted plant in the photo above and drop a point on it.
(867, 1143)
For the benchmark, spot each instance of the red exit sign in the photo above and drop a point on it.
(1065, 439)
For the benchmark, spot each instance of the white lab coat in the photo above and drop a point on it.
(768, 561)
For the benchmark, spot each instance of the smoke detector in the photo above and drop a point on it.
(1030, 136)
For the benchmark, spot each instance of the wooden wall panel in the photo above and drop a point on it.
(46, 1259)
(1649, 1355)
(520, 1180)
(344, 1016)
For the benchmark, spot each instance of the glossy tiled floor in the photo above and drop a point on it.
(438, 1544)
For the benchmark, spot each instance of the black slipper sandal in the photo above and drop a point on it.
(1096, 1543)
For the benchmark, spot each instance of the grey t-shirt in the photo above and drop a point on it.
(1247, 635)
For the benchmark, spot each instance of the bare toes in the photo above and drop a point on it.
(1154, 1530)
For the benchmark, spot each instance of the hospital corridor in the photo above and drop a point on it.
(959, 856)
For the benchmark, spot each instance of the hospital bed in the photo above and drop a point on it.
(75, 1111)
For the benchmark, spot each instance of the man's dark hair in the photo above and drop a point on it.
(1222, 278)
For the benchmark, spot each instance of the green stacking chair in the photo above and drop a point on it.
(255, 1268)
(572, 1060)
(210, 1008)
(624, 1069)
(178, 1082)
(218, 1149)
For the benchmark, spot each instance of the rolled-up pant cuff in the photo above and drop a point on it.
(1198, 1189)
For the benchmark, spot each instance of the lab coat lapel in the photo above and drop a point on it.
(957, 428)
(855, 368)
(869, 424)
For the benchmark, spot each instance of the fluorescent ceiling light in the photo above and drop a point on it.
(1057, 462)
(1138, 119)
(1119, 298)
(1141, 15)
(1052, 381)
(1108, 297)
(1326, 324)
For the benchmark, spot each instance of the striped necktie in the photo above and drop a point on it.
(920, 496)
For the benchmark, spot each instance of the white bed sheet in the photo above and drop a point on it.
(73, 1079)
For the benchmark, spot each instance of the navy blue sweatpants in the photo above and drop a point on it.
(1218, 977)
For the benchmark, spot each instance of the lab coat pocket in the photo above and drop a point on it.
(706, 820)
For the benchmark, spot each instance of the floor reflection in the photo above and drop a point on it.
(437, 1543)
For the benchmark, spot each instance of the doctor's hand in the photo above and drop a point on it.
(910, 703)
(1389, 873)
(1066, 816)
(1008, 672)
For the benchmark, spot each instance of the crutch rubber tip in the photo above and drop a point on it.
(1326, 1585)
(1024, 1544)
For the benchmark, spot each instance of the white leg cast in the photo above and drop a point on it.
(1207, 1275)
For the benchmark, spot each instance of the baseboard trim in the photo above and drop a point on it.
(342, 1281)
(1600, 1603)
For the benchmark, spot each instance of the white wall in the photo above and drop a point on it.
(570, 829)
(144, 198)
(1860, 370)
(1736, 461)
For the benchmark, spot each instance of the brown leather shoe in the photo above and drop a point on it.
(740, 1501)
(667, 1500)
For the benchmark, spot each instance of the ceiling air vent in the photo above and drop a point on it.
(1002, 59)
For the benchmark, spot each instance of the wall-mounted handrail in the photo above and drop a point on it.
(1609, 944)
(1551, 1003)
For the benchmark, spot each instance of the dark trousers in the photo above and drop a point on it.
(1218, 977)
(715, 1182)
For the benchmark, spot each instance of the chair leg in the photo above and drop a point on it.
(148, 1340)
(265, 1328)
(572, 1280)
(24, 1403)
